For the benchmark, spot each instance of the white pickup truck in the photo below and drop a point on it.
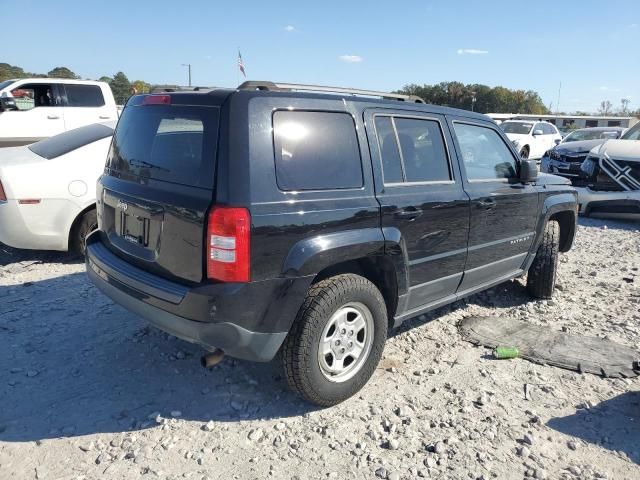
(35, 108)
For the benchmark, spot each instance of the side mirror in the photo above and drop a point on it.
(537, 132)
(7, 103)
(528, 171)
(557, 141)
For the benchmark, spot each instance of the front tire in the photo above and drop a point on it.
(541, 278)
(337, 339)
(524, 153)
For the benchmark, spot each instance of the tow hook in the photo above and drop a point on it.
(212, 359)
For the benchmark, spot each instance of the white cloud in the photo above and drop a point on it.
(351, 58)
(289, 28)
(472, 51)
(603, 88)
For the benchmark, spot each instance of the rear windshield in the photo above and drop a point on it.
(68, 141)
(170, 143)
(516, 127)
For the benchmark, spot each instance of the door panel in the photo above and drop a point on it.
(432, 216)
(502, 228)
(502, 210)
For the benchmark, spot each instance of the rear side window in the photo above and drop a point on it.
(68, 141)
(84, 96)
(316, 151)
(170, 143)
(412, 150)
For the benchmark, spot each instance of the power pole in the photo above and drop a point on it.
(188, 65)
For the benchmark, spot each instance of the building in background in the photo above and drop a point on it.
(564, 122)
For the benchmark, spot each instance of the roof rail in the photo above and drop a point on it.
(282, 87)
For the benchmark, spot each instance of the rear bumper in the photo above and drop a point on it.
(247, 321)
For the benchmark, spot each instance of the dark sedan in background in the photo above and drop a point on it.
(566, 158)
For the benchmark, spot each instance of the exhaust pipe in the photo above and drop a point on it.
(212, 359)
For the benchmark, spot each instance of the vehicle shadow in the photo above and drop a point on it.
(75, 364)
(613, 424)
(10, 255)
(511, 293)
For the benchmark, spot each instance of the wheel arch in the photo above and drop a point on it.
(76, 221)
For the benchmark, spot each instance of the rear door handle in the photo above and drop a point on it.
(410, 213)
(487, 203)
(53, 117)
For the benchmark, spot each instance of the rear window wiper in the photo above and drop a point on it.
(143, 163)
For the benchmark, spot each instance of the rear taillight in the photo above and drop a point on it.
(228, 237)
(3, 196)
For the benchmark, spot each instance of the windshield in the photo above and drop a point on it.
(580, 135)
(522, 128)
(170, 143)
(633, 133)
(68, 141)
(6, 83)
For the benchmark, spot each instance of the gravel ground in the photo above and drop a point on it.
(87, 390)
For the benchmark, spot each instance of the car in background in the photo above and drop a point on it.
(32, 109)
(612, 172)
(565, 159)
(48, 189)
(531, 139)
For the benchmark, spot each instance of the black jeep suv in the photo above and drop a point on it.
(282, 218)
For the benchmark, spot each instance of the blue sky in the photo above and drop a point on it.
(593, 47)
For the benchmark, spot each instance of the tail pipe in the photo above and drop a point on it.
(212, 359)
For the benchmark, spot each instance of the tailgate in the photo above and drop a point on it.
(158, 186)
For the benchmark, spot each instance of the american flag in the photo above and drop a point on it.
(241, 65)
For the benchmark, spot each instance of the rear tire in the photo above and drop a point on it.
(81, 230)
(342, 311)
(541, 279)
(524, 153)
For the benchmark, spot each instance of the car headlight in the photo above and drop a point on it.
(553, 155)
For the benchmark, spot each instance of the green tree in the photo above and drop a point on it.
(121, 88)
(8, 72)
(141, 86)
(62, 72)
(488, 100)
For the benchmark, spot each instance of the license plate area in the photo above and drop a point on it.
(134, 229)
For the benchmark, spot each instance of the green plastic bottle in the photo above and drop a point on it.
(506, 352)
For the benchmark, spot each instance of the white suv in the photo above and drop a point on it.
(531, 139)
(35, 108)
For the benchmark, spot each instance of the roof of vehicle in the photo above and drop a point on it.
(58, 80)
(527, 121)
(599, 129)
(318, 92)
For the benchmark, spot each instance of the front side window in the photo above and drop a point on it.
(35, 95)
(484, 153)
(316, 151)
(421, 156)
(540, 127)
(84, 96)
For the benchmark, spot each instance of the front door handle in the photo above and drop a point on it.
(104, 117)
(53, 117)
(487, 203)
(409, 213)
